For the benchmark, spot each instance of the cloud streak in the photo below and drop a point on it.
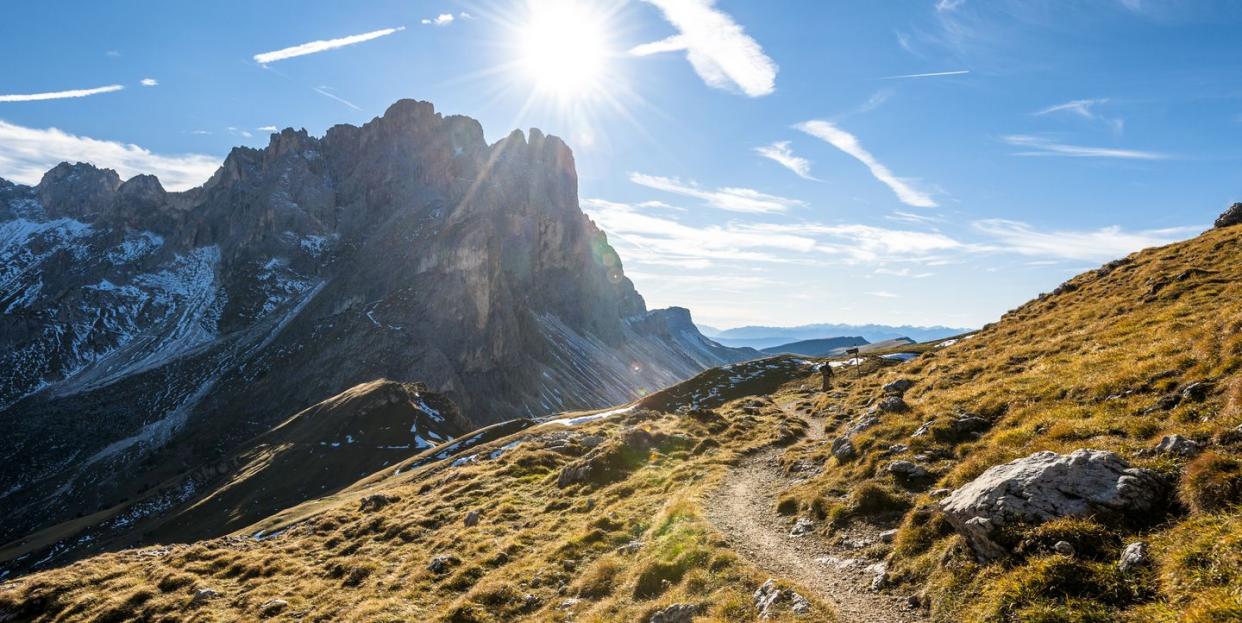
(60, 95)
(933, 74)
(1085, 109)
(315, 47)
(1039, 146)
(1095, 245)
(29, 152)
(732, 199)
(849, 144)
(662, 240)
(720, 51)
(781, 153)
(332, 96)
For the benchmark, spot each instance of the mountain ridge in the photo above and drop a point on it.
(760, 337)
(146, 327)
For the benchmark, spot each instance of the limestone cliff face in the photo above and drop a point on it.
(145, 329)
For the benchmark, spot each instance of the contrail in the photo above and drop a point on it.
(931, 75)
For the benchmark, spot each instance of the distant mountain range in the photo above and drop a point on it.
(761, 337)
(817, 348)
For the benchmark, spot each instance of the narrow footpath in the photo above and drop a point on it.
(744, 510)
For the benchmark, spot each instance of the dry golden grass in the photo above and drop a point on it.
(539, 552)
(1083, 367)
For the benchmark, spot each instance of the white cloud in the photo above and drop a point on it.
(29, 152)
(268, 128)
(1038, 146)
(443, 19)
(948, 6)
(58, 95)
(720, 51)
(1085, 109)
(314, 47)
(149, 82)
(781, 153)
(849, 144)
(1100, 244)
(934, 74)
(884, 294)
(728, 198)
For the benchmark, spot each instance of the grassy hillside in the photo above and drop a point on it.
(619, 543)
(314, 453)
(1103, 362)
(605, 519)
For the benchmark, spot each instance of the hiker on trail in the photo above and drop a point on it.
(825, 375)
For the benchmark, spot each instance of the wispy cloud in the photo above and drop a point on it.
(902, 272)
(946, 6)
(59, 95)
(315, 47)
(728, 198)
(149, 82)
(933, 74)
(910, 217)
(664, 241)
(1099, 245)
(267, 128)
(1085, 109)
(866, 243)
(326, 92)
(720, 51)
(29, 152)
(781, 153)
(1039, 146)
(884, 294)
(849, 144)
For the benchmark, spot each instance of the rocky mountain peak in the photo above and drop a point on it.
(143, 188)
(406, 248)
(79, 190)
(288, 141)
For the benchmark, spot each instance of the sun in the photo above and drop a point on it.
(563, 48)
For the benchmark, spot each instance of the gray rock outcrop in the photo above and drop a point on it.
(1230, 217)
(676, 613)
(1133, 557)
(1045, 486)
(769, 598)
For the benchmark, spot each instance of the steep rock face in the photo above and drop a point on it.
(144, 329)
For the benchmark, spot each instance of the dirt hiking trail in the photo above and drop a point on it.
(744, 510)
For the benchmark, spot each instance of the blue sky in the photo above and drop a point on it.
(778, 162)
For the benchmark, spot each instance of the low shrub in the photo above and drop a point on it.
(1212, 482)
